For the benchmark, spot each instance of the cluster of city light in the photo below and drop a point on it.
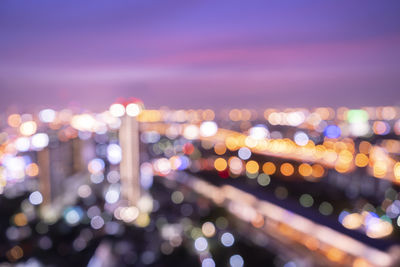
(97, 123)
(137, 215)
(340, 154)
(268, 217)
(335, 150)
(251, 168)
(163, 166)
(27, 124)
(26, 133)
(352, 122)
(337, 126)
(368, 222)
(331, 154)
(202, 237)
(132, 109)
(313, 119)
(15, 168)
(379, 159)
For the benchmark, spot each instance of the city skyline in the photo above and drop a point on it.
(211, 133)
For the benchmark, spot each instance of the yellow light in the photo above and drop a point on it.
(379, 229)
(14, 120)
(220, 149)
(287, 169)
(28, 128)
(341, 113)
(318, 171)
(362, 160)
(32, 169)
(352, 221)
(335, 255)
(330, 155)
(232, 143)
(220, 164)
(20, 219)
(142, 220)
(269, 168)
(15, 253)
(380, 169)
(235, 115)
(339, 146)
(258, 221)
(325, 113)
(128, 214)
(388, 113)
(149, 116)
(267, 112)
(252, 166)
(311, 243)
(364, 147)
(359, 262)
(396, 171)
(208, 229)
(208, 115)
(262, 145)
(245, 114)
(345, 157)
(250, 142)
(319, 151)
(342, 167)
(275, 118)
(305, 169)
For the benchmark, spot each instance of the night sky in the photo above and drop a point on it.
(200, 54)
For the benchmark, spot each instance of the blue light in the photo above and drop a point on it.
(332, 131)
(342, 215)
(73, 215)
(185, 162)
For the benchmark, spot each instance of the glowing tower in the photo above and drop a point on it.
(129, 142)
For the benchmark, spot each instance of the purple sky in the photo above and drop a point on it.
(200, 54)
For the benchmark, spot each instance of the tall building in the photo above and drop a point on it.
(129, 142)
